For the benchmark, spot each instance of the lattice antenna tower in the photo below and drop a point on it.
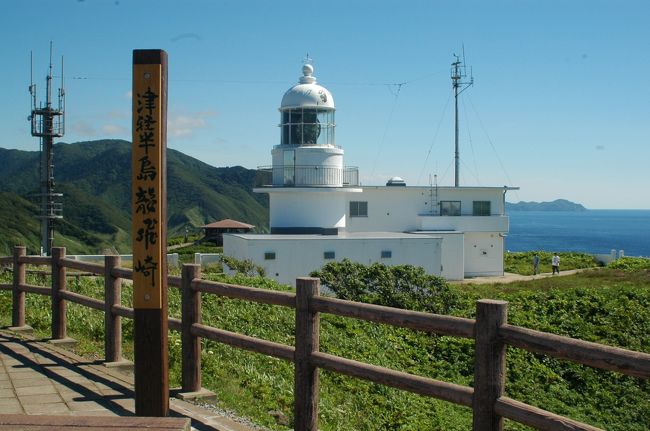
(459, 83)
(47, 123)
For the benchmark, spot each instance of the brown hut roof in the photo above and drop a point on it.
(229, 224)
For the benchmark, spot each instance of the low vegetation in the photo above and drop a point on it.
(631, 264)
(186, 254)
(522, 262)
(609, 306)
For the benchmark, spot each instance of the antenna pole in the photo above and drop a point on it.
(47, 123)
(457, 75)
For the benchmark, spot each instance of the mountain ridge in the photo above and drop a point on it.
(556, 205)
(95, 179)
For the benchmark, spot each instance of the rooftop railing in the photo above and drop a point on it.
(307, 176)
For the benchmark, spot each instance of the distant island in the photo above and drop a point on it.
(556, 205)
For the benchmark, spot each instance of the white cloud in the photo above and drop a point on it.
(83, 128)
(119, 115)
(114, 129)
(183, 125)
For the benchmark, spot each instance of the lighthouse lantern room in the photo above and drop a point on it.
(308, 155)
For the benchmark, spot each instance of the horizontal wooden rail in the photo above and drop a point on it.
(447, 325)
(624, 361)
(6, 260)
(4, 286)
(420, 385)
(30, 288)
(253, 294)
(120, 310)
(35, 260)
(83, 266)
(537, 418)
(174, 280)
(80, 274)
(126, 273)
(68, 274)
(174, 323)
(82, 300)
(244, 342)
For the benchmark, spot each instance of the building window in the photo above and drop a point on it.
(358, 209)
(329, 255)
(481, 208)
(269, 255)
(449, 208)
(386, 254)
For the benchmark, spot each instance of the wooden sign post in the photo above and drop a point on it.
(149, 231)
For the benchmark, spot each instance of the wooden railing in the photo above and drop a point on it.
(490, 331)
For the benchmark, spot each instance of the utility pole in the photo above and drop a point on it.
(47, 123)
(458, 74)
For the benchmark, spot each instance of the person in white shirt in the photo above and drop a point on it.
(555, 263)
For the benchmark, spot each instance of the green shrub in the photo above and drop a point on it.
(245, 267)
(631, 264)
(401, 286)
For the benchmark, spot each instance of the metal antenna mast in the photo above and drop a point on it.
(458, 74)
(48, 123)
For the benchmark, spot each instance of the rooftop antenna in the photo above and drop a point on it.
(47, 123)
(459, 84)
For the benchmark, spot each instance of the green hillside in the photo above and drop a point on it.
(95, 179)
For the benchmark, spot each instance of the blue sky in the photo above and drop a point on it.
(560, 105)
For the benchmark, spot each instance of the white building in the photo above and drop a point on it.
(320, 213)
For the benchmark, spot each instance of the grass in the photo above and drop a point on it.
(608, 306)
(522, 262)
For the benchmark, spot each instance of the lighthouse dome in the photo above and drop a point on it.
(307, 93)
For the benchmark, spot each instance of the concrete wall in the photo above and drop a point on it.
(402, 209)
(204, 259)
(453, 255)
(483, 254)
(297, 257)
(318, 208)
(172, 258)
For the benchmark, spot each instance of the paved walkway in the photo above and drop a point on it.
(38, 378)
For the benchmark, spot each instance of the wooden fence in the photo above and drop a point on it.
(490, 330)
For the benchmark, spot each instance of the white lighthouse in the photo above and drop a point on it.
(319, 213)
(308, 180)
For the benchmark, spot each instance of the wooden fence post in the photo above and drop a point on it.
(307, 341)
(18, 296)
(58, 285)
(191, 344)
(112, 322)
(489, 364)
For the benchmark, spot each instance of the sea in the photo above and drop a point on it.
(591, 231)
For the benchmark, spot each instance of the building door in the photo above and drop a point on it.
(289, 163)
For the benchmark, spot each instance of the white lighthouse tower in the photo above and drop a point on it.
(308, 179)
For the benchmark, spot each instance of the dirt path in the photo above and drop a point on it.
(509, 277)
(174, 247)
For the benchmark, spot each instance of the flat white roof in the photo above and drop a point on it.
(343, 235)
(407, 187)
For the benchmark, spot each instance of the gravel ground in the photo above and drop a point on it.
(230, 415)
